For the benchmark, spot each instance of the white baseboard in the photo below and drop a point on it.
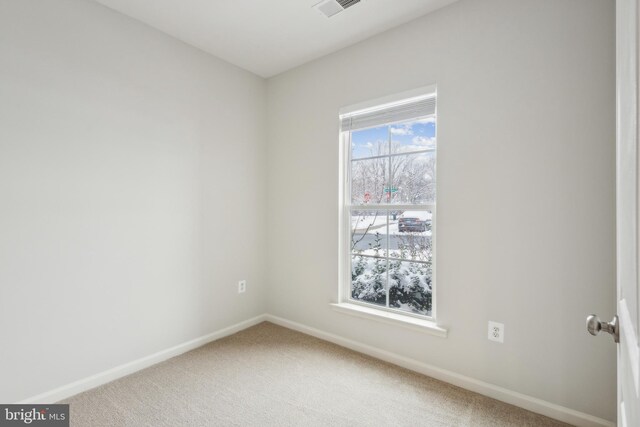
(532, 404)
(93, 381)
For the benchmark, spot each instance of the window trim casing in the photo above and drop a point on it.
(345, 303)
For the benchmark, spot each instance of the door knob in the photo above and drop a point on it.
(595, 325)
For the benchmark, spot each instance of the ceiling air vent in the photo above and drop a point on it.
(331, 7)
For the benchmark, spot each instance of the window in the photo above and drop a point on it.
(389, 205)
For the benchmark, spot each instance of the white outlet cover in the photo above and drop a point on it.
(242, 286)
(496, 332)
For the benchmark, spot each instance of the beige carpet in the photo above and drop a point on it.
(271, 376)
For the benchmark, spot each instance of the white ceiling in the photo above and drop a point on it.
(268, 37)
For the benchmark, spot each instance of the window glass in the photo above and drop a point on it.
(392, 196)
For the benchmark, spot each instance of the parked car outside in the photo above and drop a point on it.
(414, 221)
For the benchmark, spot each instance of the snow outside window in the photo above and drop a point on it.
(389, 201)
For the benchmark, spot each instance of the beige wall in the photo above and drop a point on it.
(525, 190)
(125, 157)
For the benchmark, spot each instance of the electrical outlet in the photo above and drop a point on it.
(242, 286)
(496, 332)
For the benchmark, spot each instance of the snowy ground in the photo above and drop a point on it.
(376, 234)
(360, 223)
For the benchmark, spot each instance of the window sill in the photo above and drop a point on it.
(426, 326)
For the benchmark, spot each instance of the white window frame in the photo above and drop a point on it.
(345, 303)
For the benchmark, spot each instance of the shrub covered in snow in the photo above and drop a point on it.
(410, 283)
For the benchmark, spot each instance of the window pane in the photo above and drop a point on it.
(413, 136)
(369, 233)
(370, 142)
(410, 236)
(391, 250)
(413, 178)
(410, 287)
(369, 279)
(369, 179)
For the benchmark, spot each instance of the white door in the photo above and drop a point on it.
(627, 211)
